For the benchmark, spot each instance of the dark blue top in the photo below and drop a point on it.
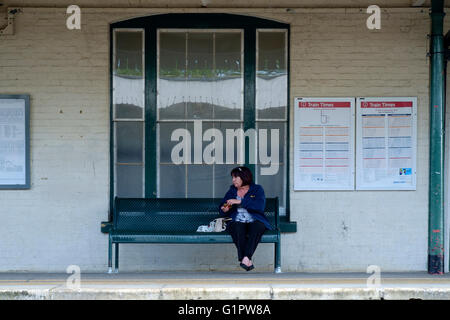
(254, 201)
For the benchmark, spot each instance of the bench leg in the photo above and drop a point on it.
(109, 254)
(117, 258)
(277, 257)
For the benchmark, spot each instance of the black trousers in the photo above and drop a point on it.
(246, 236)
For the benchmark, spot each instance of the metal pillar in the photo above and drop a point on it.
(436, 175)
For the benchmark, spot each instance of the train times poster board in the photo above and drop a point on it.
(386, 143)
(324, 143)
(14, 142)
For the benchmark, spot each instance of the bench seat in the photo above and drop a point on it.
(269, 236)
(168, 220)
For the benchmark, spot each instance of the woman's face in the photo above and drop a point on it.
(237, 181)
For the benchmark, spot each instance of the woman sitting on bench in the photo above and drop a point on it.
(244, 203)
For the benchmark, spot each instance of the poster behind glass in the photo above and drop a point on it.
(386, 143)
(14, 142)
(324, 143)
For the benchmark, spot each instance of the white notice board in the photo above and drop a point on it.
(386, 143)
(324, 143)
(14, 142)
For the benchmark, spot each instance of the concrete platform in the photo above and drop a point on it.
(218, 285)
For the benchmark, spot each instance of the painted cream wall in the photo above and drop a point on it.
(66, 72)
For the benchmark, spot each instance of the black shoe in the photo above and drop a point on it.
(243, 266)
(250, 268)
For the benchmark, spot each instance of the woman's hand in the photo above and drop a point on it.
(227, 206)
(233, 201)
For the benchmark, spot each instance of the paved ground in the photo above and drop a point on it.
(218, 285)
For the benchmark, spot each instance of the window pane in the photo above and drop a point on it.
(271, 79)
(207, 179)
(209, 147)
(129, 142)
(184, 134)
(270, 170)
(216, 146)
(272, 130)
(200, 74)
(172, 181)
(172, 75)
(222, 180)
(129, 181)
(128, 75)
(210, 86)
(274, 185)
(200, 181)
(228, 55)
(165, 144)
(226, 90)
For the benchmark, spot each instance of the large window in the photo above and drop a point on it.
(189, 104)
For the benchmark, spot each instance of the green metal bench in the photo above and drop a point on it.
(167, 220)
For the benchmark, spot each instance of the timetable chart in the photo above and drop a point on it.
(12, 142)
(324, 145)
(386, 135)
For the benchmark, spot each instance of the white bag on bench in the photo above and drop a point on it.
(217, 225)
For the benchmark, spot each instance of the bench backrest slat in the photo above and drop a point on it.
(173, 214)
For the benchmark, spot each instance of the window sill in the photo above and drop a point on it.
(287, 226)
(106, 226)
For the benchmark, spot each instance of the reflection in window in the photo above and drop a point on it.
(195, 180)
(128, 113)
(274, 185)
(271, 75)
(200, 75)
(129, 141)
(271, 107)
(128, 75)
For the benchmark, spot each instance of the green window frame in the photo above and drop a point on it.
(150, 26)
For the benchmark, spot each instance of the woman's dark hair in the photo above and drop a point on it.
(244, 173)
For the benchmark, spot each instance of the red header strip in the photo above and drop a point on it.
(386, 104)
(325, 104)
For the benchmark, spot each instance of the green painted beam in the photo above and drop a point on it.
(436, 174)
(150, 113)
(249, 89)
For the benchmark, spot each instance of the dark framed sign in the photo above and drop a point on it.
(14, 141)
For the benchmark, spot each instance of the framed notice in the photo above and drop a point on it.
(14, 141)
(324, 143)
(386, 143)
